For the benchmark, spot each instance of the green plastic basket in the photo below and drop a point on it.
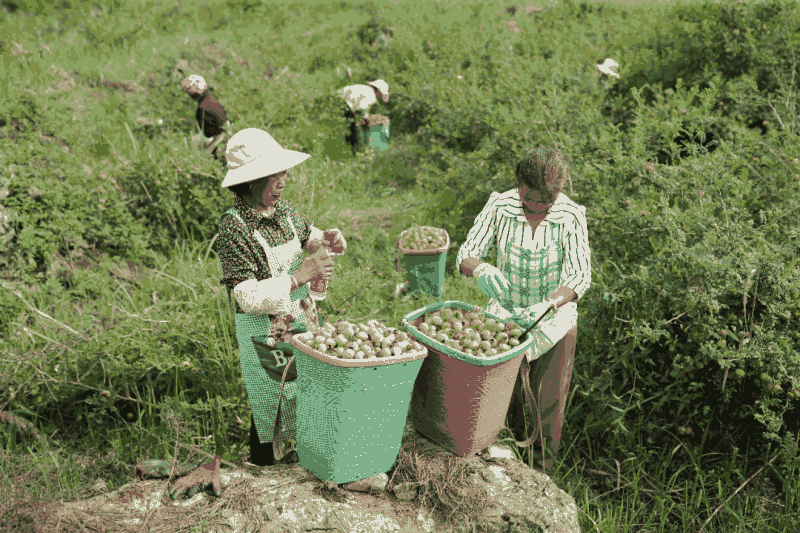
(351, 412)
(425, 269)
(376, 136)
(460, 402)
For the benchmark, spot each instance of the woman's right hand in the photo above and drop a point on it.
(316, 266)
(491, 281)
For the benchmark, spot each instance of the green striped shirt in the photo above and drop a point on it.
(495, 225)
(241, 255)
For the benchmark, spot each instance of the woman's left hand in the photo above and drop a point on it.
(528, 316)
(336, 240)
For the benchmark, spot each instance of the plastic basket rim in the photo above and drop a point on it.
(471, 359)
(297, 342)
(432, 251)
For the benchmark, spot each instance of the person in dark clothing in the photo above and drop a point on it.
(210, 115)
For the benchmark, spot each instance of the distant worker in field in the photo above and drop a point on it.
(607, 71)
(211, 117)
(359, 99)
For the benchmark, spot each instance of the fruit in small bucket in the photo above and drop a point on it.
(470, 332)
(423, 239)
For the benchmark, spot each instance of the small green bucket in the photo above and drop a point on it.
(375, 136)
(425, 269)
(351, 412)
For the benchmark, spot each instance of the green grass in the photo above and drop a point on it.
(160, 340)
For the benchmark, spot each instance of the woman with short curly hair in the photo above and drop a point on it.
(543, 260)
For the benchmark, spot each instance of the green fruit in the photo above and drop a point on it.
(437, 320)
(484, 345)
(503, 348)
(447, 313)
(513, 342)
(740, 372)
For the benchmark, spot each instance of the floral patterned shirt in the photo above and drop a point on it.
(241, 255)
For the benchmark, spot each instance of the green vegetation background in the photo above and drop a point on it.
(113, 319)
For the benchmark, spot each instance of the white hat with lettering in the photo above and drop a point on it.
(253, 154)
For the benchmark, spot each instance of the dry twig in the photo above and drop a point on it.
(735, 492)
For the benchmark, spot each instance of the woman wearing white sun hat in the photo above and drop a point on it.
(359, 99)
(260, 243)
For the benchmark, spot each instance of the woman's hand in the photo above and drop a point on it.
(317, 265)
(491, 281)
(528, 316)
(335, 240)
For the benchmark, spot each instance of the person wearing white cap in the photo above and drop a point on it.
(359, 99)
(606, 69)
(210, 115)
(260, 246)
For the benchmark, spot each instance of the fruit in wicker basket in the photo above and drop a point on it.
(424, 238)
(470, 332)
(346, 340)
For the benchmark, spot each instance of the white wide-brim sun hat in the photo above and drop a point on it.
(381, 85)
(253, 154)
(606, 67)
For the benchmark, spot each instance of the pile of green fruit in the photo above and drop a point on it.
(423, 238)
(470, 332)
(346, 340)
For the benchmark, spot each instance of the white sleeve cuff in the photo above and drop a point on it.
(478, 271)
(266, 297)
(316, 233)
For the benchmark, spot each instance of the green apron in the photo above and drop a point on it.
(263, 392)
(533, 276)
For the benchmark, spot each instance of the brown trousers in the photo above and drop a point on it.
(552, 371)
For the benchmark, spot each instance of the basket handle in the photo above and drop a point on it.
(277, 444)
